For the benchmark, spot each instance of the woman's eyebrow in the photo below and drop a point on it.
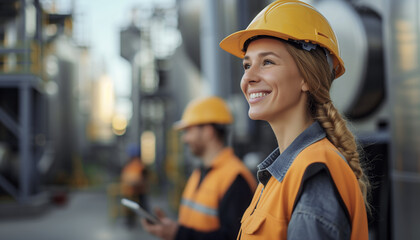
(263, 54)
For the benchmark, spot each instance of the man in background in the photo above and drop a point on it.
(218, 192)
(134, 182)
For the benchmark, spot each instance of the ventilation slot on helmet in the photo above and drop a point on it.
(321, 34)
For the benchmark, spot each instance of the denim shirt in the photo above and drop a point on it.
(319, 213)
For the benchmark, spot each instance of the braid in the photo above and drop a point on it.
(315, 70)
(338, 133)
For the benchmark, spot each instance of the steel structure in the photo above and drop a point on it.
(403, 87)
(28, 85)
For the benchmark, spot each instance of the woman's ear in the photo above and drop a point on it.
(305, 87)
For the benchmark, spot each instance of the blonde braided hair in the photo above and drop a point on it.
(315, 70)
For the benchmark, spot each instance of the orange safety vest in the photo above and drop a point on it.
(271, 209)
(132, 177)
(199, 206)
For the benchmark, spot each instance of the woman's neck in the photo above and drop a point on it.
(287, 130)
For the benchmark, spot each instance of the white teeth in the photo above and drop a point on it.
(257, 95)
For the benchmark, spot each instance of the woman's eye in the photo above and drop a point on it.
(246, 66)
(267, 62)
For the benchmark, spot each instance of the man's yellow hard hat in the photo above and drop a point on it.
(208, 110)
(289, 20)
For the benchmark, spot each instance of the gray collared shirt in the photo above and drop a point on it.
(319, 212)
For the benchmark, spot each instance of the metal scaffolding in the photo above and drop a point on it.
(30, 97)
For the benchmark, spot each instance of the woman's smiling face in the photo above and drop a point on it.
(271, 82)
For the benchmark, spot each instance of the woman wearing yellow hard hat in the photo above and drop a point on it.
(312, 186)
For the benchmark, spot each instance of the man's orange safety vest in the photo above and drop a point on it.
(199, 206)
(271, 209)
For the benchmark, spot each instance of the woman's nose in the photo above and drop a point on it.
(250, 76)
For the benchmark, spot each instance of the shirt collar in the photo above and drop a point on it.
(277, 164)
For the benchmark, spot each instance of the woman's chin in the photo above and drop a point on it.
(255, 116)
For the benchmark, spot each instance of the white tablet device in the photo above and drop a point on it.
(139, 210)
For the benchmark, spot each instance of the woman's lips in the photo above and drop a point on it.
(257, 96)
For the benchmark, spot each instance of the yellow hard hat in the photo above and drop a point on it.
(289, 20)
(206, 110)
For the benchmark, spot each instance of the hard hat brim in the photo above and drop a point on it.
(234, 44)
(179, 125)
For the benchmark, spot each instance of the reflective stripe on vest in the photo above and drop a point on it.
(199, 206)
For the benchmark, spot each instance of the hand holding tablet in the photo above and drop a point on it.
(140, 211)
